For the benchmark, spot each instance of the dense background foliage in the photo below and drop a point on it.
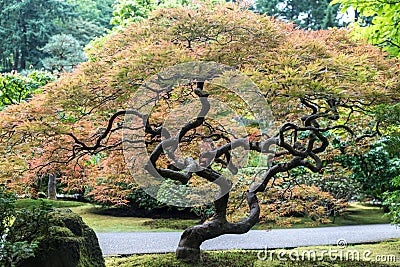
(27, 26)
(377, 21)
(313, 15)
(280, 58)
(285, 62)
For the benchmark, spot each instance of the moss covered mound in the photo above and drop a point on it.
(64, 240)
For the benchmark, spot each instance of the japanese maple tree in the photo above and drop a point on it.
(319, 88)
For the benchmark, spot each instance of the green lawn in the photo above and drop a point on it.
(356, 214)
(362, 214)
(27, 203)
(369, 255)
(106, 223)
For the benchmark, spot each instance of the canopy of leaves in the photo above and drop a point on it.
(378, 21)
(287, 64)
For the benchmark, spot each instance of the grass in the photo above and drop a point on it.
(369, 254)
(362, 214)
(106, 223)
(28, 203)
(355, 215)
(175, 224)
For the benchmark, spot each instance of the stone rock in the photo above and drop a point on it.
(64, 240)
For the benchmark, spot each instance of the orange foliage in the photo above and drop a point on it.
(285, 63)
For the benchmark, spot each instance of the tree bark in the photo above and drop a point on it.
(16, 59)
(52, 187)
(189, 245)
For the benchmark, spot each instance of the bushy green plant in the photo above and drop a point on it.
(389, 115)
(7, 210)
(14, 250)
(139, 198)
(374, 170)
(334, 180)
(171, 191)
(392, 201)
(16, 87)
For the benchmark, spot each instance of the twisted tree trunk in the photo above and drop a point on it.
(189, 245)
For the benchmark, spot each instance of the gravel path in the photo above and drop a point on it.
(159, 242)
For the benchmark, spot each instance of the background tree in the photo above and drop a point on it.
(92, 20)
(335, 179)
(377, 21)
(392, 200)
(96, 11)
(64, 53)
(373, 170)
(390, 117)
(127, 11)
(317, 83)
(316, 14)
(26, 26)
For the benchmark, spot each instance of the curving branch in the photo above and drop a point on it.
(296, 144)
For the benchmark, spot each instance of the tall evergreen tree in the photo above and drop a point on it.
(308, 14)
(26, 26)
(96, 12)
